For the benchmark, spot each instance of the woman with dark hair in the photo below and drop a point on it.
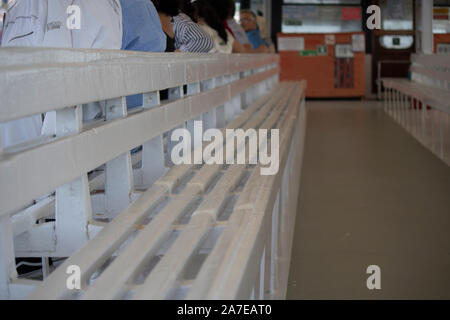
(167, 9)
(209, 18)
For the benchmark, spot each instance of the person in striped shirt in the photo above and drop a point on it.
(189, 36)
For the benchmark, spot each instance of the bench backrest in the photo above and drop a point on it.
(34, 81)
(431, 70)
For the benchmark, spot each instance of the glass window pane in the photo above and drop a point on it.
(344, 2)
(396, 14)
(320, 19)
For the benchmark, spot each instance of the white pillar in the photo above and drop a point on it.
(426, 15)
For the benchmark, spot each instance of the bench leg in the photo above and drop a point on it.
(7, 258)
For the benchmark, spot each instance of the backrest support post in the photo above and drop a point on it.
(73, 204)
(119, 183)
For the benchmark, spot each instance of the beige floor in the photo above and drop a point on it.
(371, 195)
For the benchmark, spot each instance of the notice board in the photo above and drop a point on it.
(333, 66)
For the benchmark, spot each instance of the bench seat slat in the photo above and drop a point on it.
(111, 283)
(213, 202)
(162, 279)
(95, 253)
(207, 284)
(173, 176)
(234, 284)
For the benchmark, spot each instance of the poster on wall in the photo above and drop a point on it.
(291, 43)
(343, 50)
(330, 39)
(441, 13)
(358, 43)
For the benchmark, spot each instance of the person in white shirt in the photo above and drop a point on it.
(44, 23)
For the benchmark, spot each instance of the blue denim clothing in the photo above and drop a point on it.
(142, 31)
(255, 39)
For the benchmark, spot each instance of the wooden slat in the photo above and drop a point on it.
(173, 176)
(212, 204)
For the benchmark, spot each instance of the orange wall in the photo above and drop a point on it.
(319, 70)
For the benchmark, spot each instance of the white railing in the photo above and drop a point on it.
(422, 106)
(219, 90)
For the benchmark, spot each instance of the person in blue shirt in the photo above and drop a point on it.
(249, 24)
(142, 31)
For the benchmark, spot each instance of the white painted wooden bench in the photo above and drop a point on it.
(422, 105)
(140, 227)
